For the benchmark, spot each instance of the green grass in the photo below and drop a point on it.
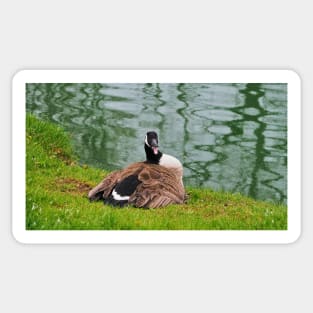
(57, 187)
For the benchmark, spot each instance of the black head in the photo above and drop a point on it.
(152, 147)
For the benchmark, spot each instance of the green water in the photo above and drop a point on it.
(228, 136)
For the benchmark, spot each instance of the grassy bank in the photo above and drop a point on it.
(57, 187)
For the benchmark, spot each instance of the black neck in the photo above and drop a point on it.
(151, 157)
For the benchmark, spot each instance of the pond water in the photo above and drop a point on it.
(228, 136)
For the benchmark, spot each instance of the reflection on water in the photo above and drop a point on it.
(228, 136)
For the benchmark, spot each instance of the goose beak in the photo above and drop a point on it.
(154, 146)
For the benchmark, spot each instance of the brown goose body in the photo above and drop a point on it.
(154, 186)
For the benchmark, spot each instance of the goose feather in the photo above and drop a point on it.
(158, 186)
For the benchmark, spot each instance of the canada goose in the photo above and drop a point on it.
(153, 183)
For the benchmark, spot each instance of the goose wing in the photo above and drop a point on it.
(160, 187)
(105, 187)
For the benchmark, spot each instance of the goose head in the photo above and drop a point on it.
(153, 155)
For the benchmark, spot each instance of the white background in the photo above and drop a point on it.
(155, 34)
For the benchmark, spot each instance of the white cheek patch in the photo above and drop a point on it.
(146, 141)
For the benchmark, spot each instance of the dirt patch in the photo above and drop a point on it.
(72, 185)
